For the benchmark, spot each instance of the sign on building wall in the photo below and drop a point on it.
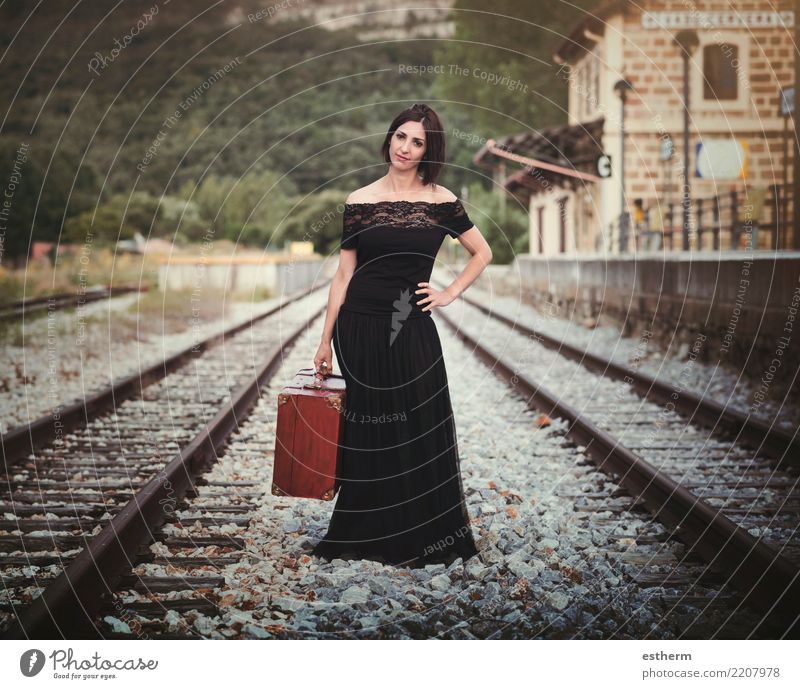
(787, 101)
(718, 20)
(722, 159)
(667, 148)
(604, 166)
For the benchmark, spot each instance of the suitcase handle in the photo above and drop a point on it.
(318, 384)
(312, 371)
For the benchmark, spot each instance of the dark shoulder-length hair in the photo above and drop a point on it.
(430, 167)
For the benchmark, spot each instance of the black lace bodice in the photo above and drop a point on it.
(396, 244)
(448, 215)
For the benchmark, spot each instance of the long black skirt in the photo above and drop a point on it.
(401, 499)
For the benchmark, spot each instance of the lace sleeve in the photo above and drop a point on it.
(455, 220)
(351, 224)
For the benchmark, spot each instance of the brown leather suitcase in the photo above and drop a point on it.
(307, 440)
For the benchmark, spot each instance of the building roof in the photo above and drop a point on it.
(575, 147)
(587, 32)
(592, 24)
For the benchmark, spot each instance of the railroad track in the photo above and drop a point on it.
(21, 442)
(71, 511)
(768, 439)
(727, 488)
(183, 561)
(55, 302)
(206, 571)
(182, 580)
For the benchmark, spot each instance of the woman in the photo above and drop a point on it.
(400, 499)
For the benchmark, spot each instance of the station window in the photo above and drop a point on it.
(720, 62)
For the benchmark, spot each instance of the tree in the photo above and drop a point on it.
(505, 229)
(180, 219)
(32, 205)
(317, 219)
(245, 210)
(103, 227)
(508, 49)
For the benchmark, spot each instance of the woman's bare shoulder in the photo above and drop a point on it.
(365, 194)
(372, 193)
(443, 194)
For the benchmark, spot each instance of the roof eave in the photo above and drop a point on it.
(588, 31)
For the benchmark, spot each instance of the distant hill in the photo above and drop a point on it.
(282, 86)
(150, 96)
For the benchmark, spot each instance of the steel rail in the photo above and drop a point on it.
(62, 301)
(20, 442)
(773, 441)
(768, 581)
(69, 603)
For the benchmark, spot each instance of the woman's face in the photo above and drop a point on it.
(407, 145)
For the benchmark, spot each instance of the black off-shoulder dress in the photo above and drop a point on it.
(401, 499)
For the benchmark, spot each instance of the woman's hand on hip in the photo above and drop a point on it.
(434, 298)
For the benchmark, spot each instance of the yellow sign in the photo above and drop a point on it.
(301, 248)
